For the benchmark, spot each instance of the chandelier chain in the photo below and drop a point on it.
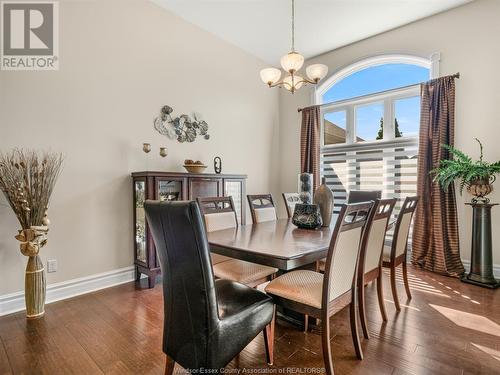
(293, 25)
(291, 63)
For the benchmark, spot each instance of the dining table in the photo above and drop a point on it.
(278, 243)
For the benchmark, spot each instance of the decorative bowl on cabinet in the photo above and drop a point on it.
(195, 168)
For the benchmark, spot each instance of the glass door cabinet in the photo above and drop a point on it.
(166, 186)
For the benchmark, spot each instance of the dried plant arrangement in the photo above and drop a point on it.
(27, 179)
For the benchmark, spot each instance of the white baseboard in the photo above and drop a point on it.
(10, 303)
(14, 302)
(496, 268)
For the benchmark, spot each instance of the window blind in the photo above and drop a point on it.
(387, 166)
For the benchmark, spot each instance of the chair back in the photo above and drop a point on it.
(343, 254)
(357, 196)
(291, 199)
(376, 228)
(218, 212)
(190, 302)
(402, 229)
(262, 207)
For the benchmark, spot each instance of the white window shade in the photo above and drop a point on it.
(390, 167)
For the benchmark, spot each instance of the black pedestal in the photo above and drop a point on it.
(481, 260)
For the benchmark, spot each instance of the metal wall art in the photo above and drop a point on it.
(182, 128)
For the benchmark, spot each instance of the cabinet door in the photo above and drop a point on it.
(204, 187)
(236, 189)
(140, 229)
(169, 189)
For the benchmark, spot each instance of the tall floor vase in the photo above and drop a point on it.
(35, 288)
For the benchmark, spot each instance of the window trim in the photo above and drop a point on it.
(431, 63)
(388, 99)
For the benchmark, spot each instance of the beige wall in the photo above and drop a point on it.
(468, 39)
(120, 61)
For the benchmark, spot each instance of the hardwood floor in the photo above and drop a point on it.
(447, 328)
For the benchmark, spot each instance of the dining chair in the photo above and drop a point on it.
(262, 207)
(322, 296)
(207, 322)
(291, 199)
(395, 254)
(219, 213)
(356, 196)
(370, 257)
(259, 203)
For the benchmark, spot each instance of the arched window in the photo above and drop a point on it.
(370, 122)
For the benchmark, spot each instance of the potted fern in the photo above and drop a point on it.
(477, 176)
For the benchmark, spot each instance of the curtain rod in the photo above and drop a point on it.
(456, 75)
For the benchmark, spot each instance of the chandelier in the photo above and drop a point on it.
(291, 64)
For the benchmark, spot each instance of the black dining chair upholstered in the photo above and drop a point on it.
(207, 322)
(358, 196)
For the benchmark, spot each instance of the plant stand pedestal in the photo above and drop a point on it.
(481, 266)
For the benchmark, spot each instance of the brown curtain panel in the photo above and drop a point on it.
(309, 142)
(435, 244)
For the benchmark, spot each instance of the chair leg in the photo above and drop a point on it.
(405, 279)
(269, 339)
(306, 323)
(354, 328)
(169, 366)
(362, 312)
(394, 288)
(380, 294)
(325, 343)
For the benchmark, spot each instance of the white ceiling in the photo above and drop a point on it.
(262, 27)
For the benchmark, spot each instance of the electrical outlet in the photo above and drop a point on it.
(51, 265)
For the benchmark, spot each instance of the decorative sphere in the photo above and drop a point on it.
(46, 221)
(306, 186)
(304, 177)
(305, 197)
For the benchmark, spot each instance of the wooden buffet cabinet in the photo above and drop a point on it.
(176, 186)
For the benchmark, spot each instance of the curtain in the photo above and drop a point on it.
(435, 244)
(309, 142)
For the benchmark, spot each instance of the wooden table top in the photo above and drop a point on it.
(277, 243)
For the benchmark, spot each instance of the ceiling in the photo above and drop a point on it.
(262, 27)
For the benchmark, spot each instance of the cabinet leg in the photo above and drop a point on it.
(151, 281)
(137, 274)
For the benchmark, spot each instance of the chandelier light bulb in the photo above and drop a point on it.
(316, 72)
(292, 62)
(270, 75)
